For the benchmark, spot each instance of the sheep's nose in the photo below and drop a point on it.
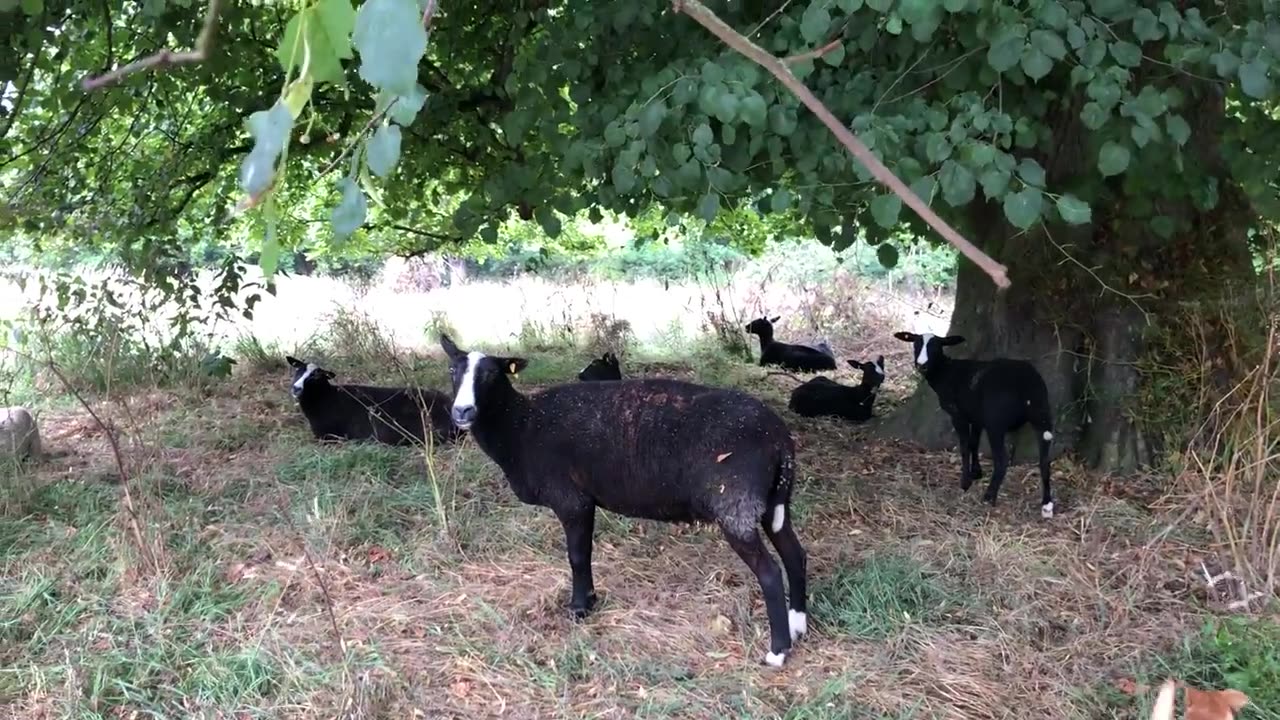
(464, 416)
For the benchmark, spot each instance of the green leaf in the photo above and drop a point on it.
(815, 22)
(1095, 51)
(1178, 129)
(1022, 208)
(885, 209)
(1254, 81)
(1049, 43)
(779, 200)
(1225, 62)
(887, 254)
(615, 136)
(298, 94)
(35, 7)
(994, 181)
(257, 171)
(1076, 37)
(1093, 116)
(1031, 172)
(709, 206)
(651, 118)
(391, 41)
(754, 110)
(1054, 15)
(727, 107)
(407, 106)
(712, 73)
(880, 6)
(924, 189)
(958, 183)
(834, 56)
(1073, 210)
(954, 6)
(1141, 136)
(1035, 63)
(781, 120)
(936, 147)
(680, 152)
(849, 6)
(546, 217)
(269, 259)
(623, 177)
(1006, 48)
(1146, 27)
(383, 150)
(702, 135)
(1113, 158)
(1126, 53)
(271, 128)
(350, 213)
(1164, 226)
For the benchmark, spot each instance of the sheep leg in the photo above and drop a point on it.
(975, 438)
(751, 549)
(579, 525)
(962, 433)
(793, 560)
(1046, 496)
(999, 464)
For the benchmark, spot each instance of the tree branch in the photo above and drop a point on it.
(166, 57)
(708, 19)
(814, 54)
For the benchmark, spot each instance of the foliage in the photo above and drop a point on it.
(513, 113)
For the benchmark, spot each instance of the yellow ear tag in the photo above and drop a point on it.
(512, 369)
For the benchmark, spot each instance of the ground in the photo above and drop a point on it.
(309, 581)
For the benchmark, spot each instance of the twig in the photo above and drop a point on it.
(812, 54)
(784, 374)
(324, 587)
(708, 19)
(166, 58)
(356, 138)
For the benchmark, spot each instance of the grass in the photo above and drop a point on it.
(301, 580)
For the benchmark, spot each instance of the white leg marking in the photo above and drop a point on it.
(1046, 510)
(923, 357)
(799, 624)
(467, 388)
(880, 368)
(775, 660)
(1048, 436)
(311, 367)
(779, 517)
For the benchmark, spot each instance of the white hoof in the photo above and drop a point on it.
(775, 660)
(1046, 510)
(799, 624)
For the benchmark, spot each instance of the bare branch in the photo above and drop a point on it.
(166, 58)
(812, 54)
(708, 19)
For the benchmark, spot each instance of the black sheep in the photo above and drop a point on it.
(792, 357)
(605, 367)
(647, 448)
(390, 415)
(999, 396)
(824, 396)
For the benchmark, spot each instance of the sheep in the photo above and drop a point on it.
(605, 367)
(824, 396)
(652, 448)
(998, 396)
(791, 357)
(389, 415)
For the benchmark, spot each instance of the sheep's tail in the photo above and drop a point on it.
(784, 481)
(1039, 416)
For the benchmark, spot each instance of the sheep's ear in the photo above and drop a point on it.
(447, 344)
(323, 374)
(295, 362)
(775, 318)
(906, 336)
(951, 340)
(880, 361)
(854, 364)
(513, 365)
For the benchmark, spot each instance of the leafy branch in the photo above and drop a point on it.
(778, 68)
(165, 58)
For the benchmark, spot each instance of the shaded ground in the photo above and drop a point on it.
(305, 581)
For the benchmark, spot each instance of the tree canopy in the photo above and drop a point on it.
(395, 136)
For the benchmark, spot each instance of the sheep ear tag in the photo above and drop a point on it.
(512, 369)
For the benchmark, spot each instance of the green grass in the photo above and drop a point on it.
(879, 596)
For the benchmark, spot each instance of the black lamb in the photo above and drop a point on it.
(605, 367)
(824, 396)
(792, 357)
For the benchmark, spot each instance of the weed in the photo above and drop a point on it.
(879, 597)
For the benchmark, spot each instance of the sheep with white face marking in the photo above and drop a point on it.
(650, 448)
(605, 367)
(792, 357)
(998, 396)
(390, 415)
(824, 396)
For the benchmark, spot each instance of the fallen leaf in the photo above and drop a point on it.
(720, 625)
(460, 687)
(1126, 686)
(1214, 704)
(720, 458)
(378, 554)
(1163, 709)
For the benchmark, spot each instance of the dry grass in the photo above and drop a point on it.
(926, 603)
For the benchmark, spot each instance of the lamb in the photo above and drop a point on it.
(651, 448)
(791, 357)
(605, 367)
(824, 396)
(389, 415)
(998, 396)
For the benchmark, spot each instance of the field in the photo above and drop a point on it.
(255, 573)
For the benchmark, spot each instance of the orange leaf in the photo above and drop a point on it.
(1126, 686)
(377, 554)
(720, 458)
(1214, 704)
